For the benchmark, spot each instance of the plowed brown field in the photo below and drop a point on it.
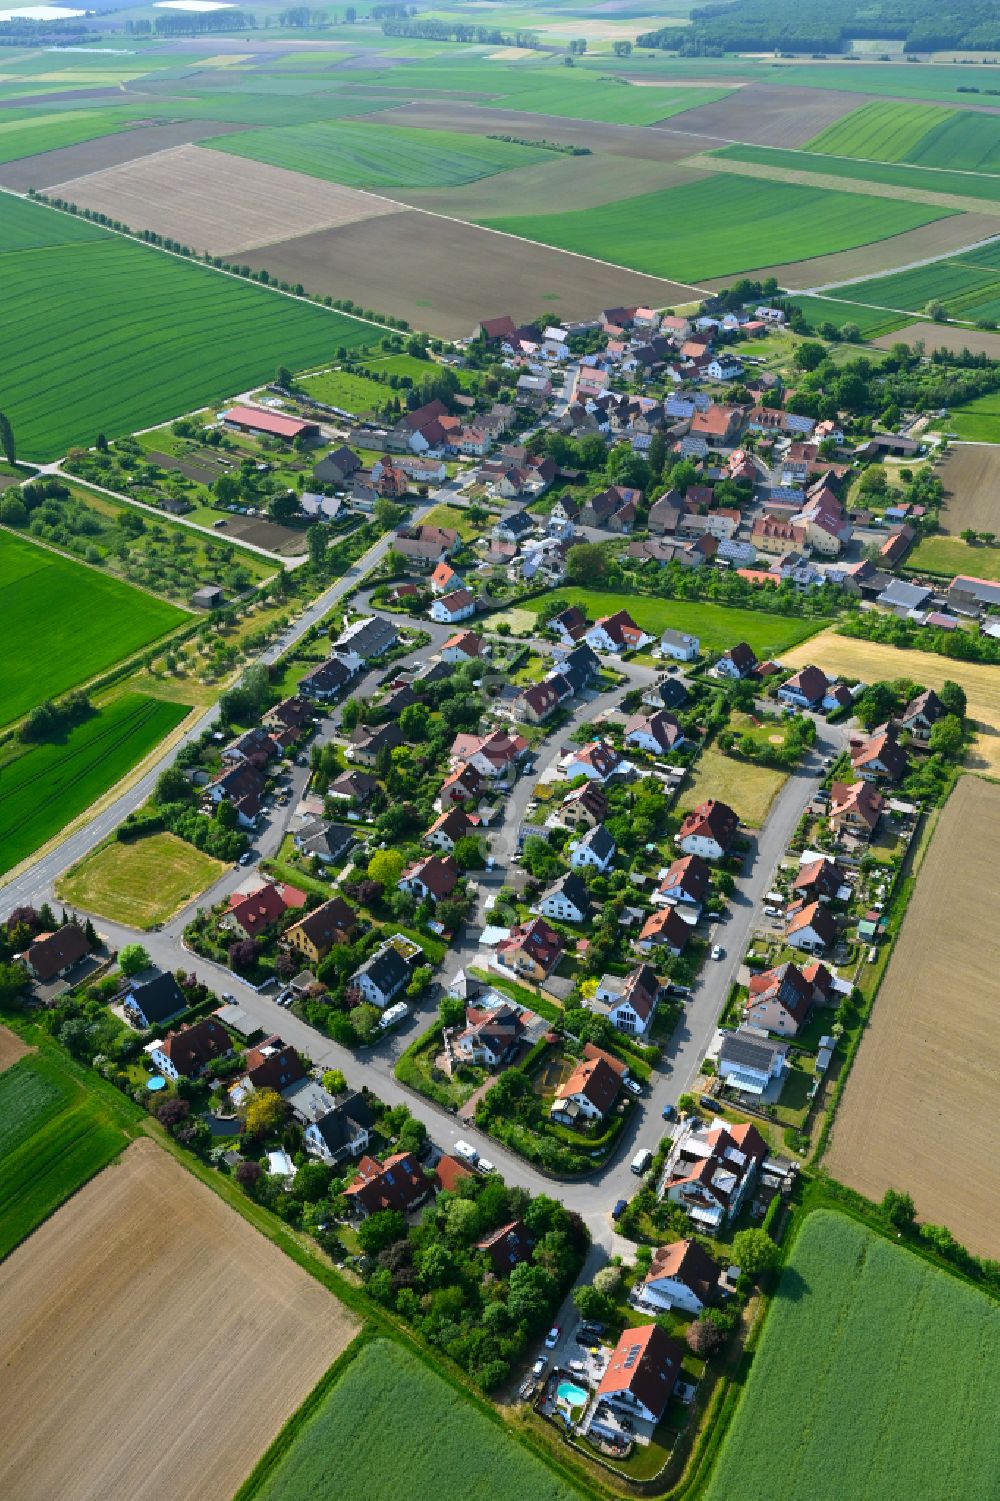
(11, 1048)
(224, 204)
(769, 114)
(49, 167)
(919, 1110)
(938, 336)
(971, 478)
(152, 1342)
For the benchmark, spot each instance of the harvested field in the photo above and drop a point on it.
(148, 1298)
(109, 151)
(769, 114)
(939, 336)
(443, 276)
(931, 1054)
(748, 788)
(556, 186)
(11, 1048)
(971, 478)
(870, 660)
(829, 272)
(616, 140)
(219, 203)
(142, 882)
(270, 534)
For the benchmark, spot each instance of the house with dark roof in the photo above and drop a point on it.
(578, 667)
(810, 928)
(367, 742)
(594, 850)
(52, 955)
(537, 701)
(708, 830)
(397, 1183)
(354, 787)
(598, 761)
(431, 879)
(325, 841)
(666, 929)
(616, 634)
(327, 679)
(369, 637)
(681, 1275)
(819, 880)
(531, 950)
(382, 976)
(666, 693)
(448, 828)
(342, 1133)
(879, 757)
(570, 625)
(566, 900)
(506, 1247)
(806, 689)
(629, 1002)
(585, 807)
(710, 1170)
(152, 999)
(187, 1053)
(752, 1062)
(314, 935)
(740, 661)
(657, 734)
(242, 786)
(271, 1064)
(922, 714)
(855, 809)
(491, 1035)
(687, 884)
(780, 999)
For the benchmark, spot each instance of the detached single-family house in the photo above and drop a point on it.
(460, 604)
(616, 634)
(819, 880)
(640, 1377)
(780, 999)
(397, 1183)
(681, 1275)
(740, 661)
(367, 742)
(256, 911)
(342, 1133)
(630, 1002)
(52, 955)
(506, 1247)
(594, 850)
(597, 761)
(444, 579)
(152, 999)
(463, 785)
(855, 808)
(710, 1171)
(447, 829)
(806, 689)
(570, 625)
(491, 755)
(588, 1094)
(879, 757)
(324, 841)
(491, 1035)
(431, 879)
(686, 884)
(566, 900)
(810, 928)
(750, 1061)
(664, 929)
(187, 1053)
(584, 808)
(464, 646)
(708, 830)
(679, 646)
(382, 976)
(314, 935)
(657, 734)
(922, 714)
(368, 637)
(531, 950)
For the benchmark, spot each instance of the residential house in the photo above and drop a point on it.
(603, 509)
(665, 514)
(630, 1002)
(327, 679)
(367, 742)
(464, 646)
(566, 900)
(368, 637)
(810, 928)
(431, 879)
(272, 1064)
(449, 1173)
(922, 714)
(383, 975)
(570, 625)
(708, 830)
(506, 1247)
(719, 427)
(342, 1133)
(463, 785)
(537, 701)
(679, 646)
(666, 693)
(492, 755)
(658, 734)
(491, 1036)
(515, 526)
(819, 880)
(578, 667)
(806, 689)
(152, 999)
(588, 1094)
(686, 885)
(425, 546)
(879, 757)
(242, 786)
(255, 911)
(710, 1170)
(444, 579)
(460, 604)
(531, 950)
(354, 787)
(447, 829)
(855, 808)
(616, 634)
(664, 929)
(597, 761)
(336, 467)
(398, 1183)
(639, 1378)
(740, 661)
(254, 745)
(724, 366)
(324, 841)
(680, 1275)
(52, 955)
(187, 1053)
(594, 850)
(584, 808)
(314, 935)
(752, 1062)
(780, 999)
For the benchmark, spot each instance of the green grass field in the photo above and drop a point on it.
(112, 336)
(977, 421)
(31, 133)
(344, 388)
(705, 229)
(382, 156)
(950, 555)
(952, 282)
(56, 1133)
(748, 788)
(65, 623)
(717, 626)
(919, 179)
(936, 83)
(882, 131)
(390, 1424)
(876, 1377)
(141, 882)
(43, 787)
(872, 321)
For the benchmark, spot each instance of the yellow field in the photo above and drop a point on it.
(140, 883)
(869, 660)
(749, 789)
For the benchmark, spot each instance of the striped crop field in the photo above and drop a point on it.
(895, 175)
(956, 284)
(33, 131)
(112, 335)
(382, 156)
(45, 786)
(882, 131)
(877, 1377)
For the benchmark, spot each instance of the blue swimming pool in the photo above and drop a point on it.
(573, 1395)
(156, 1082)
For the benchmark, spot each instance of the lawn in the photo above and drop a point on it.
(389, 1424)
(142, 882)
(921, 179)
(950, 555)
(748, 788)
(457, 518)
(977, 421)
(706, 229)
(345, 389)
(65, 623)
(112, 336)
(717, 626)
(57, 1132)
(45, 786)
(381, 156)
(877, 1377)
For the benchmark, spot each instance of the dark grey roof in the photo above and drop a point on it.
(387, 970)
(669, 693)
(573, 888)
(322, 838)
(749, 1051)
(579, 666)
(336, 1128)
(600, 841)
(373, 637)
(159, 998)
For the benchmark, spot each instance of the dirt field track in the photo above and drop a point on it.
(936, 336)
(971, 478)
(919, 1110)
(443, 276)
(152, 1342)
(220, 203)
(869, 660)
(11, 1048)
(768, 114)
(107, 151)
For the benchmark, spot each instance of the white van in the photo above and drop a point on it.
(641, 1161)
(467, 1150)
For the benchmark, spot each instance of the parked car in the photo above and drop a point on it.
(772, 911)
(718, 952)
(681, 991)
(669, 1113)
(467, 1150)
(588, 1339)
(620, 1207)
(538, 1369)
(552, 1338)
(485, 1165)
(640, 1162)
(707, 1103)
(633, 1086)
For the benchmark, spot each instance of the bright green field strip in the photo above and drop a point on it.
(922, 179)
(872, 322)
(703, 229)
(986, 257)
(28, 226)
(48, 785)
(29, 1094)
(391, 1425)
(716, 626)
(882, 130)
(64, 623)
(29, 136)
(979, 422)
(382, 156)
(112, 336)
(865, 1339)
(910, 291)
(961, 140)
(937, 83)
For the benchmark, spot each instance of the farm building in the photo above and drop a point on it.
(269, 424)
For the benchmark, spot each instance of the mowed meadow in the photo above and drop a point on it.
(111, 335)
(877, 1377)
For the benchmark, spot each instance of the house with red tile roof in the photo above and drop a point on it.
(449, 1173)
(687, 883)
(780, 999)
(805, 689)
(254, 913)
(708, 830)
(640, 1377)
(531, 950)
(810, 928)
(463, 785)
(664, 929)
(710, 1170)
(681, 1275)
(491, 755)
(587, 1094)
(398, 1183)
(185, 1054)
(506, 1247)
(855, 808)
(431, 879)
(879, 757)
(616, 634)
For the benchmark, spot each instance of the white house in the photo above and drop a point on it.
(724, 366)
(383, 975)
(750, 1061)
(629, 1002)
(679, 646)
(657, 734)
(342, 1133)
(460, 604)
(595, 849)
(681, 1275)
(708, 830)
(566, 901)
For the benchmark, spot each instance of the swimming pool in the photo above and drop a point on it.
(572, 1395)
